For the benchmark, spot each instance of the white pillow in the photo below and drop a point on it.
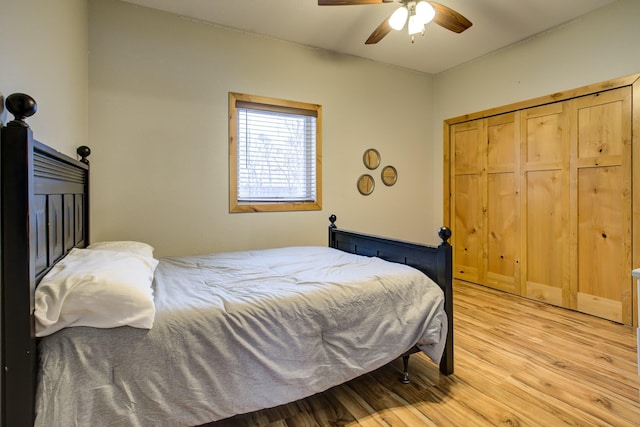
(99, 288)
(124, 246)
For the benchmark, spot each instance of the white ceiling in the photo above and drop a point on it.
(496, 24)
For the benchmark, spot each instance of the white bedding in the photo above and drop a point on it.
(236, 332)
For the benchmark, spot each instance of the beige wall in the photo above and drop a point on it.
(44, 54)
(600, 46)
(159, 132)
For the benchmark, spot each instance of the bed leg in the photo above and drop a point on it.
(405, 373)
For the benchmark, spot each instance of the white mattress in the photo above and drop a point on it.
(238, 332)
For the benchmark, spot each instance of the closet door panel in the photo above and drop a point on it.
(467, 156)
(502, 226)
(544, 135)
(601, 127)
(601, 239)
(502, 143)
(467, 244)
(545, 242)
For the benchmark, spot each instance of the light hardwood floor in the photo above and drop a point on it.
(517, 363)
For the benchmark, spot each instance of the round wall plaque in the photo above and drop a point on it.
(389, 175)
(371, 158)
(366, 184)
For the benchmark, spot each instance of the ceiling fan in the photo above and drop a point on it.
(415, 13)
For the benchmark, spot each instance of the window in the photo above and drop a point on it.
(274, 154)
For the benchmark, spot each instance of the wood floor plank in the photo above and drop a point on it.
(518, 362)
(358, 406)
(594, 400)
(399, 403)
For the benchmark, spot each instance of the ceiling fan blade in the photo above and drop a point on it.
(378, 34)
(350, 2)
(449, 18)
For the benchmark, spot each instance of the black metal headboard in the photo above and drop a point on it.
(45, 213)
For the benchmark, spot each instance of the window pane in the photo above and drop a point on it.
(276, 156)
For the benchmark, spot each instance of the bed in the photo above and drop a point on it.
(259, 355)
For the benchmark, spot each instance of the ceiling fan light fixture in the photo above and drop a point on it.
(398, 18)
(425, 12)
(415, 25)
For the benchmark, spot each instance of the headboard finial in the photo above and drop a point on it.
(445, 234)
(333, 219)
(21, 106)
(84, 152)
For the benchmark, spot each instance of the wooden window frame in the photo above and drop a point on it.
(271, 104)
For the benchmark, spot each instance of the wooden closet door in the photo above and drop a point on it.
(467, 199)
(502, 235)
(601, 193)
(545, 265)
(540, 198)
